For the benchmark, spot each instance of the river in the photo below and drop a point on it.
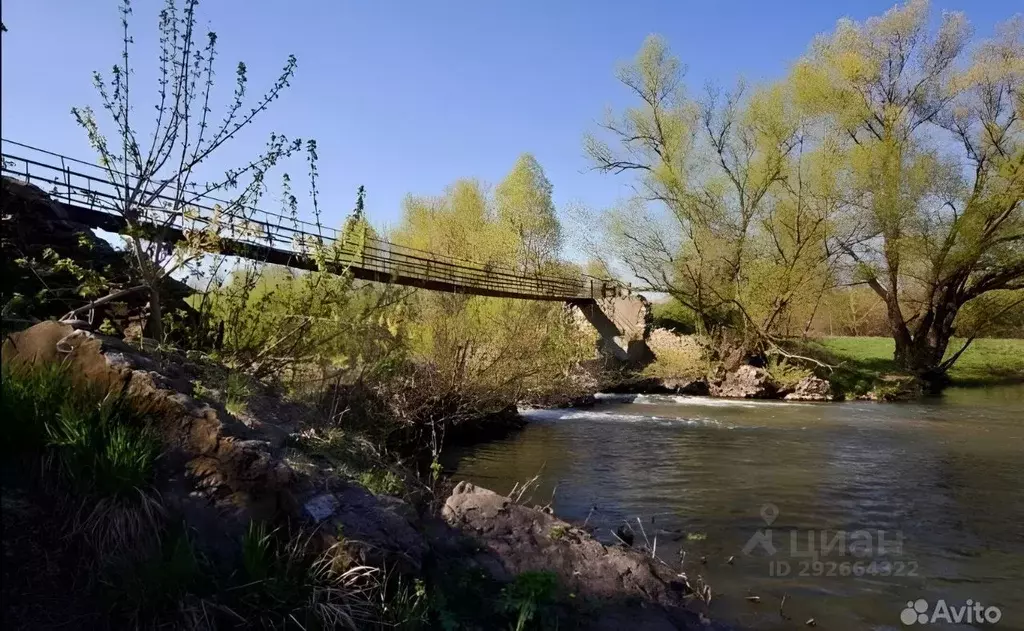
(849, 510)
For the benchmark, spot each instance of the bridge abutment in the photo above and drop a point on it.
(624, 323)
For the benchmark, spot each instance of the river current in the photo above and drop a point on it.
(848, 510)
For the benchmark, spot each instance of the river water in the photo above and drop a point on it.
(849, 510)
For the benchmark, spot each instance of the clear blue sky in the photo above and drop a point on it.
(406, 97)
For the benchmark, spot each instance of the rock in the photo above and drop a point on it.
(612, 582)
(811, 388)
(746, 382)
(696, 387)
(376, 531)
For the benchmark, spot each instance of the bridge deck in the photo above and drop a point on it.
(86, 193)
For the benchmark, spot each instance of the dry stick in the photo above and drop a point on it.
(616, 535)
(588, 516)
(103, 300)
(647, 541)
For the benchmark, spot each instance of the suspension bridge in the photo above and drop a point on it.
(100, 198)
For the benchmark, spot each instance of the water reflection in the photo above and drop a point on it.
(945, 474)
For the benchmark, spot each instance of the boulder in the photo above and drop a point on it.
(697, 387)
(746, 382)
(614, 583)
(811, 388)
(374, 530)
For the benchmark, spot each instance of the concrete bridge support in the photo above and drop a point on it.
(623, 322)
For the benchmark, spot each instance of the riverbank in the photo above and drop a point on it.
(986, 362)
(824, 369)
(163, 497)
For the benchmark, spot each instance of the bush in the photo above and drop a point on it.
(673, 316)
(784, 373)
(677, 356)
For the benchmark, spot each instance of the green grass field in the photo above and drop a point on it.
(986, 362)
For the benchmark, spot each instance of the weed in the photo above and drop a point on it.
(558, 532)
(527, 594)
(404, 604)
(236, 393)
(696, 536)
(348, 454)
(201, 390)
(153, 587)
(381, 482)
(102, 449)
(31, 399)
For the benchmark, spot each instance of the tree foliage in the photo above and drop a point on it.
(892, 155)
(495, 345)
(527, 213)
(931, 138)
(727, 217)
(157, 177)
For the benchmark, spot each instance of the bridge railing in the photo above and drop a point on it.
(86, 185)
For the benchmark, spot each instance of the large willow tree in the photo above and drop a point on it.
(732, 207)
(932, 140)
(892, 155)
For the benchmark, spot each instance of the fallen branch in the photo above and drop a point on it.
(776, 349)
(102, 301)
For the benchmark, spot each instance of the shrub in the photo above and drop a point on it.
(677, 356)
(784, 373)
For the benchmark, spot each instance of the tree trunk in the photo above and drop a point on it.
(156, 315)
(922, 354)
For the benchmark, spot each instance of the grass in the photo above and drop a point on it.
(236, 394)
(986, 362)
(95, 442)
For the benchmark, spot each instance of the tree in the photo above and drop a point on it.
(933, 141)
(726, 217)
(487, 349)
(525, 208)
(156, 180)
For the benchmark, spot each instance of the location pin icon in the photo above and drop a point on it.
(769, 512)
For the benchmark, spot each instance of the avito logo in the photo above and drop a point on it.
(917, 612)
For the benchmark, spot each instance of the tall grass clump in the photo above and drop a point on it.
(289, 583)
(95, 452)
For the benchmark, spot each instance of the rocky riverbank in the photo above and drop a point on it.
(482, 557)
(682, 366)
